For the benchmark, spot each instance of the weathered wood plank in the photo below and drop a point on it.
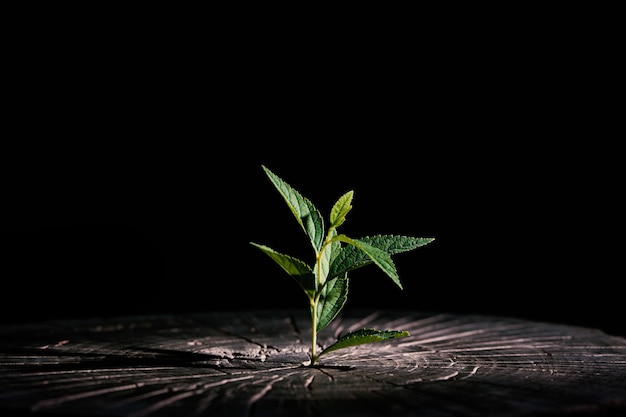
(253, 364)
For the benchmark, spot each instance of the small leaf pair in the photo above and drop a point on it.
(325, 282)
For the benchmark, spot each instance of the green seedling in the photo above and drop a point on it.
(325, 282)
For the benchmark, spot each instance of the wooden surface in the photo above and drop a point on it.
(251, 364)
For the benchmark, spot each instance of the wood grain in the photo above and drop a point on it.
(253, 364)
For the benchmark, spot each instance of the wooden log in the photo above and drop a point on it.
(255, 364)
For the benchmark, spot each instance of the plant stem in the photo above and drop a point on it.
(315, 299)
(313, 329)
(314, 303)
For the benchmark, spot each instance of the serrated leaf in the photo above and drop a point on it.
(300, 271)
(359, 337)
(332, 300)
(307, 215)
(393, 244)
(340, 209)
(351, 257)
(381, 258)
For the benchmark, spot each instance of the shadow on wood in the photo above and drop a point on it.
(253, 364)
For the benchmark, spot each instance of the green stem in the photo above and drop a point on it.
(313, 330)
(318, 292)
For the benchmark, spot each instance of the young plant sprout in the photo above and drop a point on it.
(325, 282)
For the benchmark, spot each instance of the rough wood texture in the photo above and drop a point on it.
(251, 364)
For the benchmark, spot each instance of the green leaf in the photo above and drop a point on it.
(362, 336)
(332, 300)
(393, 244)
(381, 258)
(305, 212)
(300, 271)
(351, 257)
(340, 209)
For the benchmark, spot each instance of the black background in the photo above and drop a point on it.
(132, 180)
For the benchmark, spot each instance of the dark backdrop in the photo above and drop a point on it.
(169, 233)
(133, 184)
